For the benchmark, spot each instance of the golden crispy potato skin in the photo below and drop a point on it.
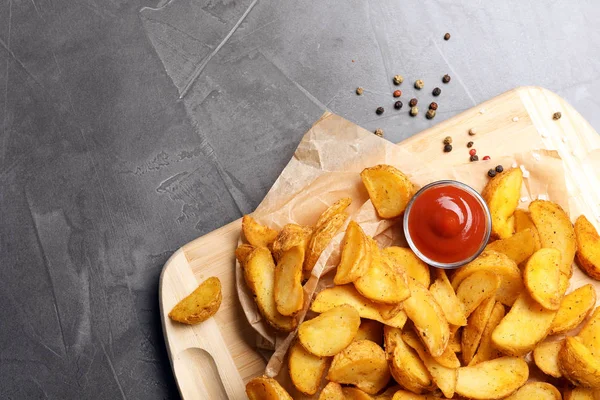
(321, 238)
(330, 332)
(541, 276)
(443, 292)
(578, 364)
(200, 305)
(306, 370)
(356, 255)
(257, 234)
(352, 393)
(537, 391)
(502, 195)
(473, 332)
(574, 308)
(263, 388)
(545, 356)
(580, 393)
(486, 350)
(493, 379)
(476, 288)
(389, 189)
(291, 235)
(332, 391)
(588, 247)
(336, 208)
(519, 247)
(414, 267)
(289, 295)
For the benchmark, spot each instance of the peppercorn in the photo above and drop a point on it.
(485, 158)
(447, 148)
(430, 114)
(397, 93)
(491, 173)
(472, 152)
(436, 92)
(474, 158)
(414, 111)
(472, 132)
(419, 84)
(446, 78)
(470, 144)
(379, 132)
(447, 36)
(499, 168)
(556, 115)
(413, 102)
(359, 91)
(379, 110)
(447, 140)
(433, 105)
(398, 79)
(398, 105)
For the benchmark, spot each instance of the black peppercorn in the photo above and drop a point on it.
(447, 148)
(446, 78)
(433, 106)
(470, 144)
(491, 173)
(436, 91)
(499, 168)
(474, 157)
(379, 110)
(447, 36)
(398, 105)
(413, 102)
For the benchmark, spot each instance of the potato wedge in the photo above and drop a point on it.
(389, 189)
(200, 305)
(242, 252)
(405, 365)
(289, 295)
(526, 324)
(404, 395)
(500, 264)
(473, 332)
(256, 234)
(370, 330)
(475, 288)
(291, 235)
(486, 350)
(263, 388)
(443, 293)
(492, 379)
(588, 247)
(537, 391)
(573, 309)
(321, 238)
(448, 358)
(306, 370)
(545, 356)
(428, 317)
(389, 311)
(336, 208)
(541, 276)
(414, 267)
(352, 393)
(519, 247)
(590, 333)
(388, 394)
(330, 332)
(382, 282)
(332, 391)
(523, 221)
(356, 255)
(580, 393)
(578, 364)
(347, 294)
(259, 272)
(555, 230)
(455, 339)
(363, 364)
(502, 195)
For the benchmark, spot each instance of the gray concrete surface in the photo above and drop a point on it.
(130, 128)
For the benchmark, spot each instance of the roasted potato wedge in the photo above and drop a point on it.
(352, 393)
(573, 309)
(389, 189)
(578, 364)
(541, 276)
(200, 305)
(256, 234)
(388, 394)
(500, 264)
(537, 391)
(502, 195)
(242, 252)
(289, 295)
(428, 317)
(545, 356)
(291, 235)
(443, 293)
(475, 288)
(519, 247)
(580, 393)
(306, 370)
(555, 230)
(263, 388)
(473, 332)
(492, 379)
(486, 350)
(590, 333)
(404, 395)
(526, 324)
(448, 358)
(336, 208)
(370, 330)
(330, 332)
(321, 238)
(363, 364)
(414, 267)
(259, 272)
(523, 221)
(332, 391)
(455, 339)
(588, 247)
(356, 255)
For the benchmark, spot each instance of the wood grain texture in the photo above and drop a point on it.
(224, 346)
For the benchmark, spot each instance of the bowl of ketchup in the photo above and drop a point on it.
(447, 224)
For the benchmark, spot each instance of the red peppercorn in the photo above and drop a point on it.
(397, 93)
(472, 152)
(486, 158)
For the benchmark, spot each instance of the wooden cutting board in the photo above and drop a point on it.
(213, 360)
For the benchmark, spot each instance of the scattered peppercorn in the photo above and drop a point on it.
(379, 132)
(447, 148)
(413, 102)
(398, 79)
(491, 173)
(419, 84)
(470, 144)
(447, 140)
(359, 91)
(430, 114)
(499, 168)
(447, 36)
(414, 111)
(556, 115)
(472, 152)
(397, 93)
(446, 78)
(433, 105)
(485, 158)
(379, 110)
(436, 92)
(472, 132)
(474, 158)
(398, 105)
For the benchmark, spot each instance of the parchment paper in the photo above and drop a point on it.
(326, 167)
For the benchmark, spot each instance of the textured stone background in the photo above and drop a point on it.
(130, 128)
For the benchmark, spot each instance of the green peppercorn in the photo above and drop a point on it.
(398, 105)
(447, 148)
(499, 168)
(448, 140)
(470, 144)
(436, 92)
(398, 79)
(379, 110)
(414, 111)
(430, 114)
(413, 102)
(492, 173)
(446, 78)
(419, 84)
